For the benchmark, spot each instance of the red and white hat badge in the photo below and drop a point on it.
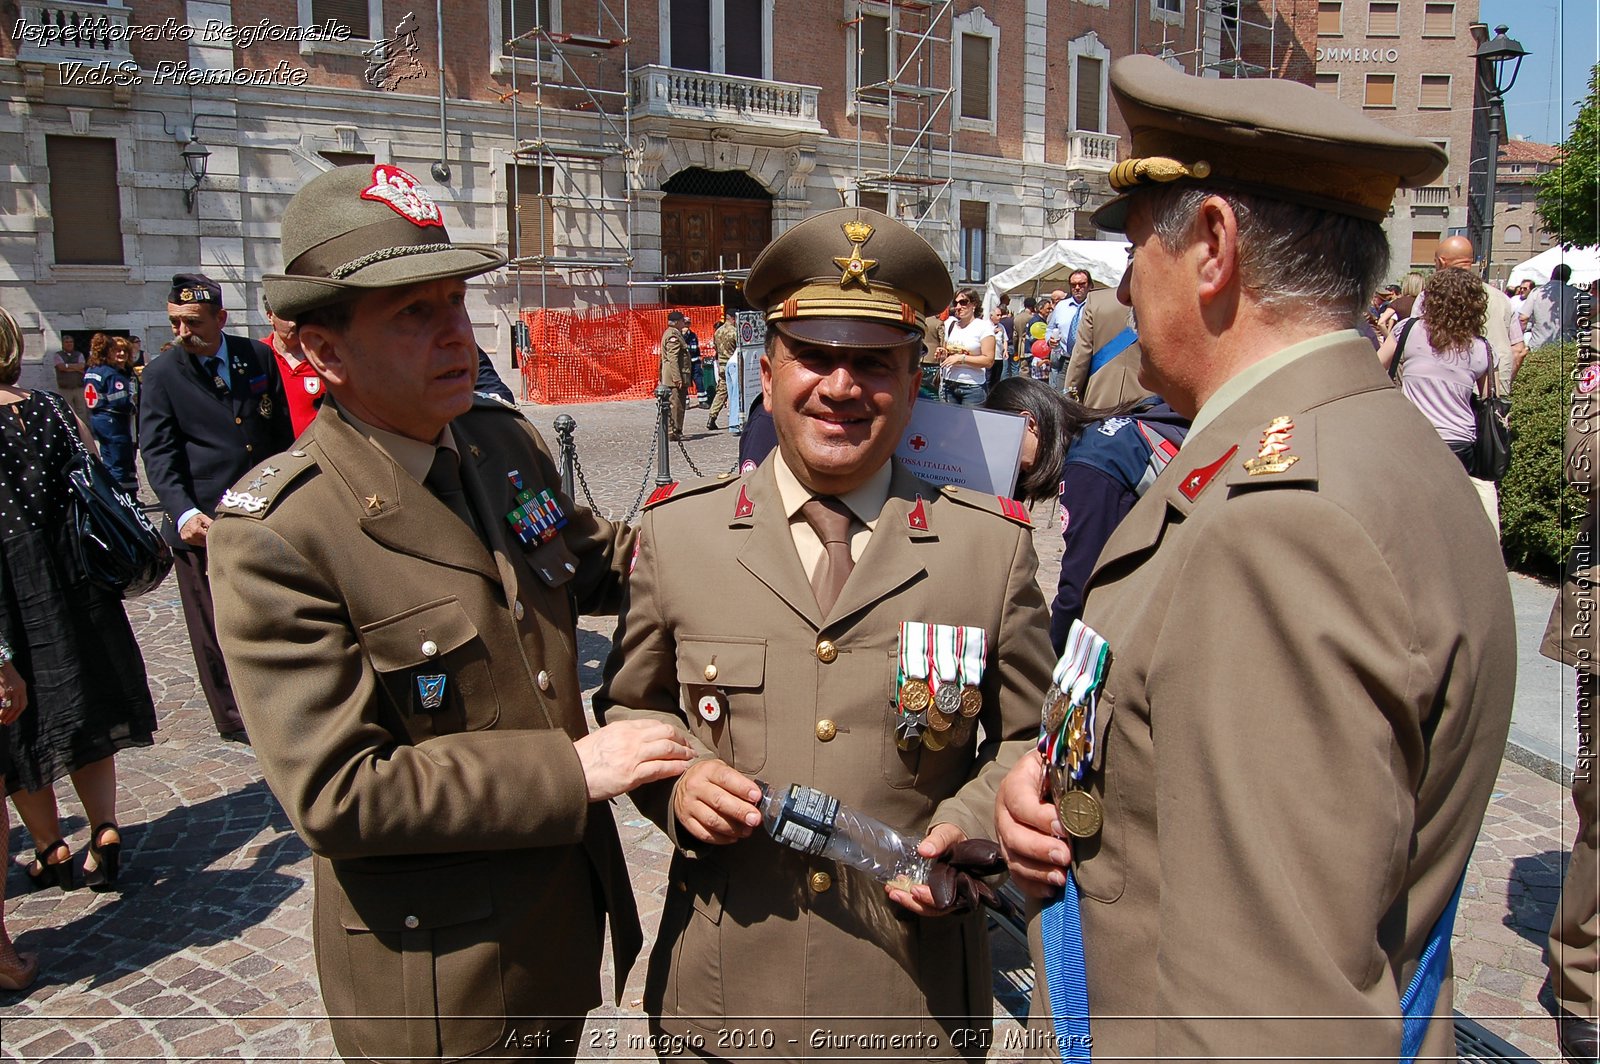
(404, 195)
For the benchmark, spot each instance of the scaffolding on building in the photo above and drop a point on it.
(904, 108)
(580, 150)
(1233, 39)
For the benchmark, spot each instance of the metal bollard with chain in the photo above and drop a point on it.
(663, 417)
(565, 426)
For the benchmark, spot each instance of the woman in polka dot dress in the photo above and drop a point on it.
(85, 694)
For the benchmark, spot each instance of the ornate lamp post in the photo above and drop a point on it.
(1077, 199)
(1499, 58)
(195, 156)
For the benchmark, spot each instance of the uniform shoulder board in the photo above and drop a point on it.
(679, 490)
(1284, 453)
(259, 490)
(489, 399)
(1010, 509)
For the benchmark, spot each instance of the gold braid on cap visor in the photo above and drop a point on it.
(1270, 175)
(827, 300)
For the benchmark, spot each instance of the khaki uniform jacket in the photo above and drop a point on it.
(1102, 318)
(758, 935)
(1309, 691)
(1571, 636)
(456, 853)
(675, 367)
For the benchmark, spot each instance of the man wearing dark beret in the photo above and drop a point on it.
(397, 599)
(210, 407)
(878, 639)
(1302, 702)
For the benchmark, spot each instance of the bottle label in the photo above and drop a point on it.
(807, 819)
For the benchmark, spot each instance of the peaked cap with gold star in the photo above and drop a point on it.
(849, 277)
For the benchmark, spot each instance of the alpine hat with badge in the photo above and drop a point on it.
(397, 598)
(357, 228)
(1279, 720)
(873, 636)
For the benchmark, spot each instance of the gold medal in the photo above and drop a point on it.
(971, 700)
(934, 740)
(915, 696)
(960, 731)
(938, 720)
(1080, 813)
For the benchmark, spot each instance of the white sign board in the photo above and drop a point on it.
(963, 445)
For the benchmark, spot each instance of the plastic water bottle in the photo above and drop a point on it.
(806, 819)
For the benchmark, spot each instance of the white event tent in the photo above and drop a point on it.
(1047, 269)
(1585, 263)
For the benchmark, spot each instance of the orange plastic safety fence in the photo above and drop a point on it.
(588, 356)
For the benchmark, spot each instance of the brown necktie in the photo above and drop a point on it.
(444, 480)
(830, 520)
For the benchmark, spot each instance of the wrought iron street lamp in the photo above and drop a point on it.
(195, 157)
(1499, 58)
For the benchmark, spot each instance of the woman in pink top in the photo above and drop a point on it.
(1445, 358)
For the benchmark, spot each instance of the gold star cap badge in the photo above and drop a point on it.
(854, 266)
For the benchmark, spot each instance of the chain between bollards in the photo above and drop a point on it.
(565, 426)
(663, 416)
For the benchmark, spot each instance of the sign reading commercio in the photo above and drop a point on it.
(1358, 55)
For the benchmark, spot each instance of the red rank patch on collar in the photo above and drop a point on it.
(1196, 482)
(744, 507)
(918, 517)
(404, 195)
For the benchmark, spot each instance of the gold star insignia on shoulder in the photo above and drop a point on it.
(855, 267)
(1274, 456)
(476, 451)
(374, 504)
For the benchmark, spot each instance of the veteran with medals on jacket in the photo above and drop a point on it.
(396, 599)
(1295, 706)
(873, 636)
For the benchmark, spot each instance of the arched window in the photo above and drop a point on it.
(1513, 234)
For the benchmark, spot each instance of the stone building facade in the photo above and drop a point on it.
(1518, 233)
(660, 140)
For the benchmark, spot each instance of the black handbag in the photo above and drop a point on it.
(1491, 452)
(117, 546)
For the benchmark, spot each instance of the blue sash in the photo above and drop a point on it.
(1062, 932)
(1416, 1005)
(1114, 347)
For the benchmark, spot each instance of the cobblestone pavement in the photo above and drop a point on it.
(206, 952)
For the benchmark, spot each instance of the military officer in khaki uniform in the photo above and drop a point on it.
(1308, 694)
(787, 669)
(724, 341)
(1102, 321)
(1573, 952)
(676, 368)
(395, 598)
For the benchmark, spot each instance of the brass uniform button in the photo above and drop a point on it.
(238, 421)
(826, 730)
(249, 446)
(821, 882)
(429, 648)
(518, 611)
(711, 673)
(543, 680)
(827, 652)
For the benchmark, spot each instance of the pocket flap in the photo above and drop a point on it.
(416, 899)
(554, 562)
(404, 641)
(725, 661)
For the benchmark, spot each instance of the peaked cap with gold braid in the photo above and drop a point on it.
(1272, 138)
(849, 277)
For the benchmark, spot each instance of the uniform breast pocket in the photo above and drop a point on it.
(434, 668)
(723, 680)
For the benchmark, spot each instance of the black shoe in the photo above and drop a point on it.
(711, 426)
(51, 875)
(1579, 1039)
(103, 876)
(238, 735)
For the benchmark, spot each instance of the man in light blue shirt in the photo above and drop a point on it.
(1063, 325)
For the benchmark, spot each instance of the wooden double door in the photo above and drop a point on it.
(700, 234)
